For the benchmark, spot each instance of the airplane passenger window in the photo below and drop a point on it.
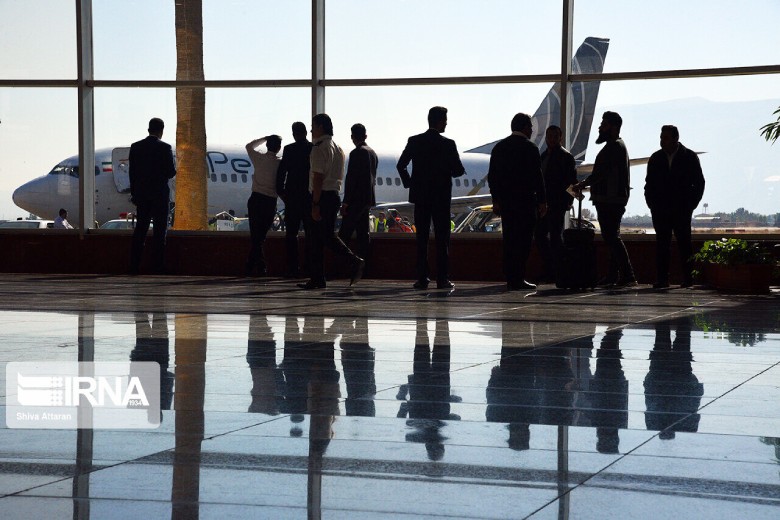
(474, 182)
(457, 182)
(233, 177)
(243, 178)
(223, 177)
(213, 177)
(389, 181)
(397, 181)
(379, 181)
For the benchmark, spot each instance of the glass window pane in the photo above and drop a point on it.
(410, 38)
(257, 39)
(669, 34)
(719, 117)
(134, 40)
(39, 130)
(38, 39)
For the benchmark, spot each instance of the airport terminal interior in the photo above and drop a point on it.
(381, 401)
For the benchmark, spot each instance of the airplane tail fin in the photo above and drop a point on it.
(589, 59)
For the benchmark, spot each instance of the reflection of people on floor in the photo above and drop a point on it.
(311, 379)
(511, 394)
(428, 405)
(672, 391)
(609, 396)
(267, 380)
(151, 344)
(357, 359)
(530, 386)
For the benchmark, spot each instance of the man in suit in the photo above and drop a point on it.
(517, 187)
(673, 188)
(610, 188)
(327, 171)
(435, 161)
(292, 185)
(560, 172)
(359, 194)
(151, 166)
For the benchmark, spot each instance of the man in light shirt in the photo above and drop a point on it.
(61, 222)
(262, 202)
(327, 171)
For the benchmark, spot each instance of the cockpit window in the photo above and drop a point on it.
(72, 171)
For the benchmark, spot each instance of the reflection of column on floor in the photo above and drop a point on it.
(322, 404)
(85, 434)
(267, 379)
(190, 348)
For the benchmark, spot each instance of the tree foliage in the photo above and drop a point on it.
(771, 131)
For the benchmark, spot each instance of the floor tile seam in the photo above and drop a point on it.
(767, 463)
(701, 495)
(743, 383)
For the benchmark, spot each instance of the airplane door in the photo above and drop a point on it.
(120, 159)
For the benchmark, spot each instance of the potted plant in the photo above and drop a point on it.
(736, 265)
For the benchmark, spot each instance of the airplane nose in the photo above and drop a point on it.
(29, 195)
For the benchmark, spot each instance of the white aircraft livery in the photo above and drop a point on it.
(230, 170)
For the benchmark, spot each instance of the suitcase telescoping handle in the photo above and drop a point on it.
(579, 211)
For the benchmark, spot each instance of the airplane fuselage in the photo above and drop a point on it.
(229, 184)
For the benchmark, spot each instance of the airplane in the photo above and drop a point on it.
(230, 170)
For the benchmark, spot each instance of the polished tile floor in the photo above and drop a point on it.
(386, 402)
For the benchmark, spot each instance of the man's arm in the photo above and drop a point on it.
(403, 162)
(170, 162)
(456, 165)
(697, 180)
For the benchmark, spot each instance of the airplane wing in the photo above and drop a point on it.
(584, 168)
(587, 168)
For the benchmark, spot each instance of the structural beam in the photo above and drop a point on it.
(567, 33)
(317, 56)
(86, 115)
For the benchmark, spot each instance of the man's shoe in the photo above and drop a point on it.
(607, 281)
(357, 270)
(626, 282)
(521, 286)
(445, 284)
(291, 274)
(311, 284)
(687, 284)
(422, 284)
(661, 285)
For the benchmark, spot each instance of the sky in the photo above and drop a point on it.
(259, 39)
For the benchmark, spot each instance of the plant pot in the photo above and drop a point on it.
(740, 279)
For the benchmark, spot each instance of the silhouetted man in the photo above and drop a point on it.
(151, 166)
(435, 161)
(292, 185)
(610, 187)
(560, 172)
(673, 188)
(262, 203)
(517, 187)
(327, 171)
(359, 194)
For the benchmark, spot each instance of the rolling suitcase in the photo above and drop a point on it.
(577, 262)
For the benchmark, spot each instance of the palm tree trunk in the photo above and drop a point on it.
(191, 185)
